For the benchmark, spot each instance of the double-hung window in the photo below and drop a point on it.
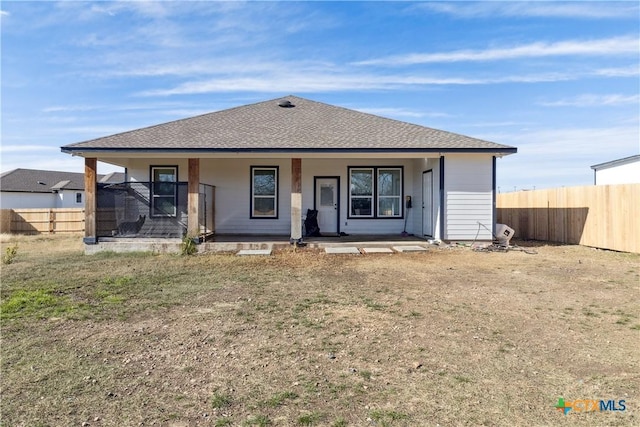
(164, 193)
(389, 192)
(361, 192)
(375, 192)
(264, 192)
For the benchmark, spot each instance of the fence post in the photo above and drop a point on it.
(52, 219)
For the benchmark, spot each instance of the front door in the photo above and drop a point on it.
(427, 203)
(327, 204)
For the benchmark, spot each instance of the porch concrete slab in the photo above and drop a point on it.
(410, 248)
(351, 250)
(248, 252)
(124, 245)
(377, 250)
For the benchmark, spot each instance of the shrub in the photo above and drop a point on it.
(9, 254)
(188, 246)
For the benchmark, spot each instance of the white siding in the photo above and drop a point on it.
(11, 200)
(622, 174)
(468, 197)
(339, 167)
(231, 177)
(67, 199)
(468, 193)
(139, 169)
(415, 217)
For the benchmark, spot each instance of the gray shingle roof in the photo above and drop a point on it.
(307, 126)
(42, 181)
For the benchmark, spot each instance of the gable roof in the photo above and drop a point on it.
(43, 181)
(301, 126)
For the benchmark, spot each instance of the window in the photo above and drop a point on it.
(163, 190)
(389, 192)
(361, 192)
(264, 192)
(78, 197)
(375, 192)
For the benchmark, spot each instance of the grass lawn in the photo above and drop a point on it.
(447, 337)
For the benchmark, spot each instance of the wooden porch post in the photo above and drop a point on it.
(193, 205)
(296, 200)
(90, 186)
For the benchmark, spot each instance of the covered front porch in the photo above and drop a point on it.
(150, 211)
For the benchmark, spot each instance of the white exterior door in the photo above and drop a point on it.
(427, 203)
(327, 204)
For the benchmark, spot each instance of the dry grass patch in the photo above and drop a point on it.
(445, 337)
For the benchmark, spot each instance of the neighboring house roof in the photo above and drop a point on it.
(112, 178)
(618, 162)
(41, 181)
(301, 126)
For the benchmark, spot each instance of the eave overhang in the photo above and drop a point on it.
(84, 151)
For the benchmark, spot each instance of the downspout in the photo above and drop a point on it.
(441, 185)
(493, 190)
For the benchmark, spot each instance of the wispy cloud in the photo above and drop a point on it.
(573, 9)
(70, 108)
(4, 13)
(312, 81)
(601, 47)
(42, 161)
(592, 143)
(590, 100)
(564, 154)
(630, 71)
(496, 124)
(26, 148)
(156, 106)
(138, 67)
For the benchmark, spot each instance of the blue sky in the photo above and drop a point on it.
(558, 80)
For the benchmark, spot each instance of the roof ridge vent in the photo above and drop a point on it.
(285, 103)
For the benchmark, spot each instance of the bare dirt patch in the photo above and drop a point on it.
(449, 337)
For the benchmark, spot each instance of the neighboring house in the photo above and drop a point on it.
(32, 188)
(621, 171)
(272, 161)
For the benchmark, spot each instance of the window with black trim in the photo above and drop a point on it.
(389, 192)
(264, 192)
(78, 198)
(361, 192)
(164, 192)
(375, 192)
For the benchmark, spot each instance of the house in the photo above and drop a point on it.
(257, 169)
(32, 188)
(621, 171)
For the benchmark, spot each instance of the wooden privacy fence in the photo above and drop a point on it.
(601, 216)
(33, 221)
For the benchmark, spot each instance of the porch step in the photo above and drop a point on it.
(249, 252)
(351, 250)
(377, 251)
(410, 248)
